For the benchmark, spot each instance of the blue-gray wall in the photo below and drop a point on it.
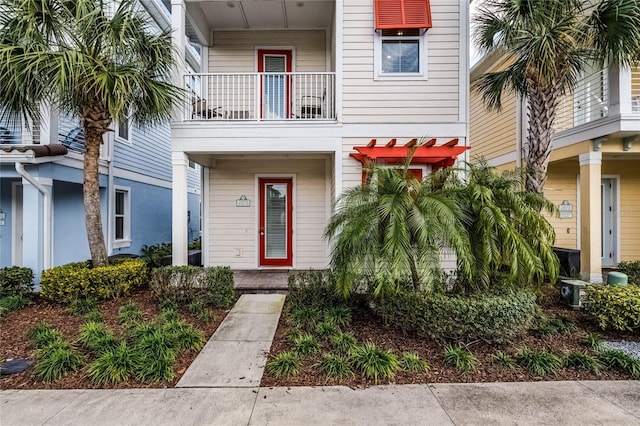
(5, 231)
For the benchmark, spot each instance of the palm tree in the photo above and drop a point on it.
(549, 43)
(390, 232)
(88, 61)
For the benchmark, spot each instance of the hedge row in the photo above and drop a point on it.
(72, 281)
(616, 308)
(15, 280)
(492, 318)
(212, 285)
(632, 269)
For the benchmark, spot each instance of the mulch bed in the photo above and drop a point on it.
(15, 344)
(367, 327)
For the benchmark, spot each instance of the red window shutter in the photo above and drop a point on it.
(398, 14)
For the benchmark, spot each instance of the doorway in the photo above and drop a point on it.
(16, 221)
(609, 194)
(276, 222)
(275, 83)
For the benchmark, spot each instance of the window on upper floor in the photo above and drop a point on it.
(122, 218)
(123, 131)
(400, 45)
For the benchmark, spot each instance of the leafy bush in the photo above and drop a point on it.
(335, 367)
(312, 288)
(593, 341)
(56, 360)
(618, 360)
(152, 255)
(492, 318)
(460, 358)
(138, 331)
(411, 361)
(15, 280)
(113, 366)
(155, 369)
(616, 308)
(306, 345)
(212, 285)
(374, 362)
(13, 303)
(184, 336)
(73, 281)
(158, 344)
(582, 361)
(96, 336)
(553, 326)
(503, 359)
(538, 362)
(42, 335)
(632, 269)
(283, 365)
(344, 342)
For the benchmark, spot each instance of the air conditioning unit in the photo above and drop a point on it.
(572, 291)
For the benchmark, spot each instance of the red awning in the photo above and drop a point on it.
(438, 156)
(399, 14)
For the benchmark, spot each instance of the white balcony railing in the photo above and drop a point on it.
(589, 101)
(291, 96)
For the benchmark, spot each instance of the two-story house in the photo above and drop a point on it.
(594, 169)
(41, 202)
(295, 98)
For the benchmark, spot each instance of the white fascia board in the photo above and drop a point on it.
(27, 158)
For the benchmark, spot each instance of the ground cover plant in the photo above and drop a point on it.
(120, 343)
(16, 287)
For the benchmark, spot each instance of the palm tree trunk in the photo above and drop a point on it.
(91, 189)
(542, 105)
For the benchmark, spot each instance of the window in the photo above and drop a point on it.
(123, 132)
(400, 54)
(122, 218)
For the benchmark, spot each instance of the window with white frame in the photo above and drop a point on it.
(401, 54)
(123, 131)
(122, 218)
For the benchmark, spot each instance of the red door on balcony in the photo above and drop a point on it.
(275, 85)
(276, 222)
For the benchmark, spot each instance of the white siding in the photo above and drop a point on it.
(235, 51)
(234, 227)
(415, 101)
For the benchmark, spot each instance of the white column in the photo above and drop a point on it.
(36, 226)
(178, 25)
(591, 217)
(179, 232)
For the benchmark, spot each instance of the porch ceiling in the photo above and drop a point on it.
(209, 159)
(263, 14)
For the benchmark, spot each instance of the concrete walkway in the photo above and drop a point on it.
(222, 388)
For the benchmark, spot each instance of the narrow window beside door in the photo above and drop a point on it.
(122, 219)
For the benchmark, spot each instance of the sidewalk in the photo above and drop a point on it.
(221, 387)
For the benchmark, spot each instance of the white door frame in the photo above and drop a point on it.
(615, 217)
(17, 206)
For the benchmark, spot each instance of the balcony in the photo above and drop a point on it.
(588, 102)
(261, 97)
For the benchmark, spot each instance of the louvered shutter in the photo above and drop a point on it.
(399, 14)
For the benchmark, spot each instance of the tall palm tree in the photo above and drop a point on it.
(390, 232)
(87, 60)
(549, 43)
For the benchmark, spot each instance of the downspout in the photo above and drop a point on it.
(47, 212)
(110, 194)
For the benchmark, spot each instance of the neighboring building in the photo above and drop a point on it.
(41, 202)
(292, 98)
(594, 169)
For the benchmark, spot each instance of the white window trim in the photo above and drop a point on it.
(126, 241)
(117, 136)
(377, 58)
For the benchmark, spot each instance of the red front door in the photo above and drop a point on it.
(275, 83)
(276, 220)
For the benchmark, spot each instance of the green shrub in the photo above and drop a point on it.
(305, 317)
(344, 342)
(374, 362)
(326, 330)
(493, 318)
(169, 315)
(82, 306)
(15, 280)
(294, 334)
(73, 281)
(553, 326)
(411, 361)
(212, 285)
(338, 315)
(616, 308)
(157, 343)
(129, 314)
(184, 336)
(306, 345)
(284, 365)
(152, 255)
(96, 336)
(113, 366)
(312, 288)
(56, 360)
(582, 361)
(539, 362)
(196, 307)
(334, 367)
(155, 369)
(138, 331)
(618, 360)
(632, 269)
(503, 359)
(206, 316)
(42, 335)
(593, 341)
(94, 316)
(460, 358)
(14, 302)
